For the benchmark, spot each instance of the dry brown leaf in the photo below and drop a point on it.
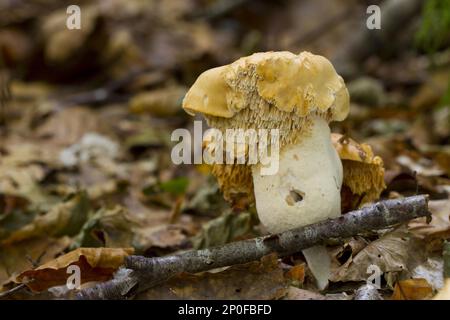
(65, 218)
(350, 248)
(96, 264)
(439, 227)
(394, 252)
(431, 91)
(255, 280)
(301, 294)
(64, 43)
(297, 274)
(420, 165)
(69, 125)
(163, 102)
(20, 256)
(162, 236)
(444, 293)
(21, 169)
(412, 289)
(15, 46)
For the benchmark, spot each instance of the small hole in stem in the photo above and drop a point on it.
(294, 196)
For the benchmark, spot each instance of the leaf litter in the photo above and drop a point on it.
(85, 172)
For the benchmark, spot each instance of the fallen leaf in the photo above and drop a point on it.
(444, 293)
(412, 289)
(224, 229)
(349, 249)
(259, 280)
(22, 169)
(61, 44)
(69, 125)
(394, 252)
(112, 228)
(439, 227)
(160, 239)
(96, 264)
(20, 256)
(296, 274)
(65, 218)
(207, 200)
(163, 102)
(148, 138)
(422, 166)
(301, 294)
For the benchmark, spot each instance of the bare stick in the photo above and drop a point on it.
(147, 272)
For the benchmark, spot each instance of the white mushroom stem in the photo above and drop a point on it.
(319, 262)
(305, 190)
(307, 187)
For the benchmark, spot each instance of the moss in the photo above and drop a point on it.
(435, 27)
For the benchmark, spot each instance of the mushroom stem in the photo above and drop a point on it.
(306, 189)
(319, 263)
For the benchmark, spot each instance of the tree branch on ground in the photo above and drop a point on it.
(142, 273)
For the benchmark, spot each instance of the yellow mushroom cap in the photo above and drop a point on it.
(207, 95)
(303, 84)
(363, 171)
(267, 90)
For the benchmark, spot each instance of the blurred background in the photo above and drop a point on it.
(86, 114)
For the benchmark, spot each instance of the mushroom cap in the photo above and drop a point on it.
(267, 90)
(303, 84)
(363, 171)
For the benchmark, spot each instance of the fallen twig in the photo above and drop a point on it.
(143, 273)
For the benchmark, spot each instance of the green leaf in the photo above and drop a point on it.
(175, 186)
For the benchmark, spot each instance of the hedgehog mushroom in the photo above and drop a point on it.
(298, 95)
